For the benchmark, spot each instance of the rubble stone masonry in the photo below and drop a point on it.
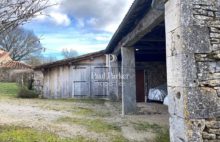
(193, 64)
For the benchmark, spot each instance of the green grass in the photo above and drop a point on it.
(89, 112)
(96, 125)
(83, 111)
(85, 100)
(162, 134)
(145, 126)
(18, 134)
(118, 138)
(8, 89)
(99, 126)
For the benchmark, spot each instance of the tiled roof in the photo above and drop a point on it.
(2, 54)
(7, 62)
(4, 57)
(15, 65)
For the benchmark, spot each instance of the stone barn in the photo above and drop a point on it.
(173, 42)
(184, 36)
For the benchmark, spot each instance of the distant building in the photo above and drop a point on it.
(4, 57)
(9, 68)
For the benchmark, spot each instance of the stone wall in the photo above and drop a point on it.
(38, 82)
(206, 14)
(13, 75)
(155, 74)
(4, 75)
(193, 64)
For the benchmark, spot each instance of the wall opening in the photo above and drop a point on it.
(150, 56)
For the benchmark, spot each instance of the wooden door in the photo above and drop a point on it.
(99, 81)
(81, 81)
(140, 96)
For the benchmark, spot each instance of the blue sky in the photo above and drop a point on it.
(83, 25)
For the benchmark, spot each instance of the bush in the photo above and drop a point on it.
(25, 93)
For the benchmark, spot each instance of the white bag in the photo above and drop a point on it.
(158, 94)
(166, 101)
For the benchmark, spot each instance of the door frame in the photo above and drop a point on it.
(144, 90)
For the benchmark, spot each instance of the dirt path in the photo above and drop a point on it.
(44, 115)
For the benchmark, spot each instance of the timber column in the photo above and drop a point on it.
(128, 80)
(193, 69)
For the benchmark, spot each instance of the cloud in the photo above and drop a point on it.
(82, 43)
(102, 15)
(85, 48)
(60, 19)
(54, 15)
(99, 14)
(102, 38)
(83, 25)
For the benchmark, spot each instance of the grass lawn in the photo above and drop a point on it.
(18, 134)
(8, 89)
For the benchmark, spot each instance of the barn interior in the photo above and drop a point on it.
(150, 57)
(140, 44)
(150, 62)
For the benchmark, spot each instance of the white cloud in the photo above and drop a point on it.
(60, 19)
(103, 15)
(84, 48)
(83, 44)
(102, 38)
(40, 17)
(54, 15)
(99, 14)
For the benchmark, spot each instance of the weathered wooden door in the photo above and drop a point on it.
(81, 81)
(99, 81)
(140, 96)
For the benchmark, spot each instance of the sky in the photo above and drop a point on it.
(83, 25)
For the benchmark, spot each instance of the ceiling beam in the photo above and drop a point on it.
(152, 19)
(153, 40)
(147, 24)
(150, 49)
(150, 52)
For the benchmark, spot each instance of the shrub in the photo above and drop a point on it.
(26, 93)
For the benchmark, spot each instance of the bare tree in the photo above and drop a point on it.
(69, 53)
(39, 59)
(35, 60)
(20, 43)
(16, 12)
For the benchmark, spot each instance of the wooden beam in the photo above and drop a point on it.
(150, 50)
(150, 53)
(150, 21)
(153, 40)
